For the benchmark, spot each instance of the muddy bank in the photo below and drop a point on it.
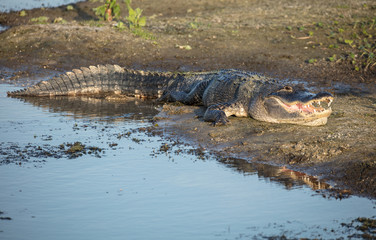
(287, 39)
(277, 38)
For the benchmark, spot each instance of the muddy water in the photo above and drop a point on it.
(134, 189)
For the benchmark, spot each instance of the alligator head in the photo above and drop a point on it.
(293, 105)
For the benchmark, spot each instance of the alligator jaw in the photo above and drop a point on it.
(313, 112)
(318, 107)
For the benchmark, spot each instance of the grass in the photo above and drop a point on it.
(92, 23)
(143, 34)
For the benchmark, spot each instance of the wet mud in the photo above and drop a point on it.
(237, 34)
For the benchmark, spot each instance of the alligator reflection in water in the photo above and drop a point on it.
(95, 107)
(140, 109)
(286, 177)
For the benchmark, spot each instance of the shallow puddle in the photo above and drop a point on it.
(126, 183)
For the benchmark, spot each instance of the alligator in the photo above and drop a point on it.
(224, 93)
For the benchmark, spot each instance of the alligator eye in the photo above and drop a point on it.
(286, 88)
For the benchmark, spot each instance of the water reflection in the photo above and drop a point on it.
(288, 178)
(90, 107)
(116, 110)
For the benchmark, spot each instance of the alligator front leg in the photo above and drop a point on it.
(219, 113)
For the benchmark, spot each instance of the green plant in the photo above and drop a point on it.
(120, 26)
(356, 42)
(194, 25)
(59, 20)
(332, 58)
(369, 56)
(23, 13)
(109, 10)
(70, 8)
(333, 46)
(350, 42)
(136, 22)
(40, 20)
(134, 16)
(312, 60)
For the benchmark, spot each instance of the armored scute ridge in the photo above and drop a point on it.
(225, 93)
(109, 79)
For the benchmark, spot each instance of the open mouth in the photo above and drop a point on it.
(321, 105)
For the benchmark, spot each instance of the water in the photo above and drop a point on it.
(17, 5)
(134, 190)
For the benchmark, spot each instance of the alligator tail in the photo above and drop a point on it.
(102, 79)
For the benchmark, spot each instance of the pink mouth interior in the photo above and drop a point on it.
(300, 107)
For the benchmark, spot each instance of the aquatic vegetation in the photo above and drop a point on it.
(366, 227)
(164, 147)
(76, 147)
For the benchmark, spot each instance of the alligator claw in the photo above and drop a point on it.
(221, 120)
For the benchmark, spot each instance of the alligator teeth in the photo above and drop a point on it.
(319, 103)
(330, 102)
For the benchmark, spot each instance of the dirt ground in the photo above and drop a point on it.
(298, 40)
